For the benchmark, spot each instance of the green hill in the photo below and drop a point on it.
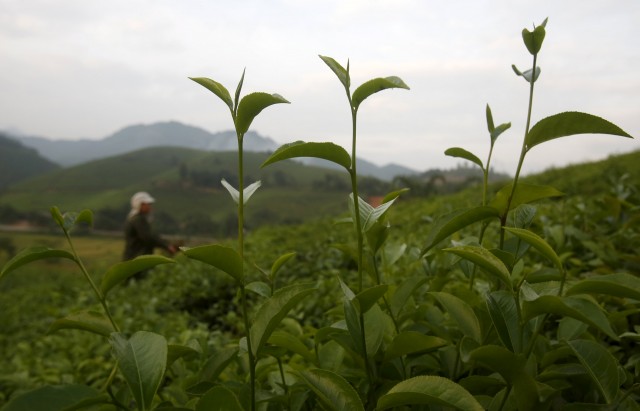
(18, 162)
(186, 184)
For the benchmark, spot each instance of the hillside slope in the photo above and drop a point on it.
(18, 162)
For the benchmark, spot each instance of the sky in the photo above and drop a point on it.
(83, 69)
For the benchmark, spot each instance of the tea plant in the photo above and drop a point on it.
(538, 314)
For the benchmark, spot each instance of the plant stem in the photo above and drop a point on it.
(96, 290)
(523, 152)
(243, 292)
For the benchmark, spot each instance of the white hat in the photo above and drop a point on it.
(139, 198)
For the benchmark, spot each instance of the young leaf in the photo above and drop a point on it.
(219, 398)
(223, 258)
(620, 285)
(91, 321)
(456, 221)
(84, 217)
(235, 194)
(579, 308)
(332, 390)
(461, 313)
(485, 259)
(325, 151)
(429, 390)
(524, 194)
(249, 190)
(123, 270)
(142, 361)
(216, 88)
(538, 243)
(282, 260)
(533, 39)
(53, 398)
(31, 254)
(273, 310)
(251, 105)
(489, 116)
(238, 90)
(568, 124)
(462, 153)
(343, 75)
(373, 86)
(601, 366)
(412, 342)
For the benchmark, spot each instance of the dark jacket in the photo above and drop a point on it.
(139, 238)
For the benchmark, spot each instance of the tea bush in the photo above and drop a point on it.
(508, 298)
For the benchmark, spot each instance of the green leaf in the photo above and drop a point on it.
(221, 257)
(601, 366)
(251, 105)
(456, 221)
(404, 291)
(238, 90)
(343, 75)
(125, 269)
(373, 86)
(429, 390)
(219, 398)
(52, 398)
(412, 342)
(273, 310)
(91, 321)
(461, 313)
(524, 194)
(499, 130)
(282, 260)
(142, 360)
(56, 214)
(533, 39)
(217, 363)
(84, 217)
(484, 259)
(260, 288)
(568, 124)
(512, 368)
(368, 297)
(504, 316)
(326, 151)
(458, 152)
(32, 254)
(579, 308)
(332, 390)
(216, 88)
(538, 243)
(618, 285)
(177, 351)
(354, 326)
(292, 343)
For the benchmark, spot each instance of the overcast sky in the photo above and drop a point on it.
(72, 69)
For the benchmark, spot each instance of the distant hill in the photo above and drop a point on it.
(18, 162)
(174, 134)
(186, 183)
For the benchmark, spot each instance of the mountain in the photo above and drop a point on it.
(175, 134)
(172, 133)
(18, 162)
